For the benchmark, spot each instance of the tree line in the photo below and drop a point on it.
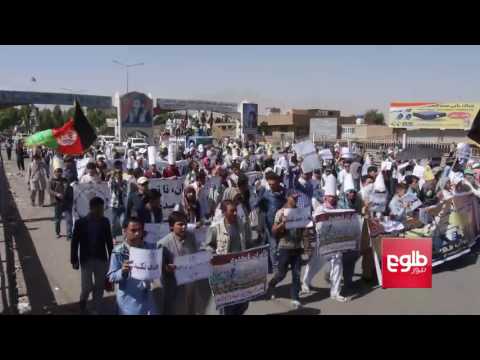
(48, 119)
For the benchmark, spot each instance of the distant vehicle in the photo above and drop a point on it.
(102, 139)
(136, 143)
(117, 146)
(197, 140)
(429, 115)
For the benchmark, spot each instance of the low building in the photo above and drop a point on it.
(296, 120)
(365, 132)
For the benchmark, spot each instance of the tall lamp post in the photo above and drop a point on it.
(127, 66)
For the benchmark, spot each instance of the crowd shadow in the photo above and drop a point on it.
(38, 289)
(300, 311)
(457, 264)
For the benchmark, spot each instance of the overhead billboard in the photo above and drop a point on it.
(430, 115)
(200, 105)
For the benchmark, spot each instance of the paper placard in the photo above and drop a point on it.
(171, 190)
(190, 268)
(326, 154)
(418, 171)
(311, 163)
(304, 148)
(297, 217)
(146, 264)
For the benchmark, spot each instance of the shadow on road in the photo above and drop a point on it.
(300, 311)
(457, 264)
(38, 288)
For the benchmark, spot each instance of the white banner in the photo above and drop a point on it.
(146, 264)
(155, 232)
(239, 277)
(297, 217)
(311, 163)
(83, 193)
(190, 268)
(171, 190)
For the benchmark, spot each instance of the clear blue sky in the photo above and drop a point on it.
(349, 78)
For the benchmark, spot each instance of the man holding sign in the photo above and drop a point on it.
(289, 249)
(178, 299)
(134, 297)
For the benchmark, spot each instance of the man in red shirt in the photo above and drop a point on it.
(152, 172)
(171, 171)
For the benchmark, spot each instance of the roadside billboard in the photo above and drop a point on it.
(249, 118)
(136, 115)
(430, 115)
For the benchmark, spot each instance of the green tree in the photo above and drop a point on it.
(161, 119)
(58, 117)
(46, 120)
(374, 116)
(9, 118)
(263, 127)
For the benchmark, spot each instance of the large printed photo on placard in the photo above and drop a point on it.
(136, 110)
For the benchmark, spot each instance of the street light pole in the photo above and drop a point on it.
(127, 66)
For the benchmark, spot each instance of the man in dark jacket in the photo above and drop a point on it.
(152, 211)
(92, 238)
(271, 201)
(136, 200)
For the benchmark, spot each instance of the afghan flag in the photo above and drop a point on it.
(74, 137)
(474, 132)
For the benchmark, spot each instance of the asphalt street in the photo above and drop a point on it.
(53, 287)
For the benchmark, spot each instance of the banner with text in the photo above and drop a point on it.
(239, 277)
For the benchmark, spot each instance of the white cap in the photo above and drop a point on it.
(171, 154)
(142, 180)
(346, 153)
(331, 186)
(57, 163)
(379, 184)
(348, 183)
(100, 156)
(200, 148)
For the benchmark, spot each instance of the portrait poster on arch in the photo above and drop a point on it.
(136, 110)
(249, 118)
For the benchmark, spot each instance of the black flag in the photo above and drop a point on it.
(474, 132)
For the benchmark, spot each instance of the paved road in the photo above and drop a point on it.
(54, 287)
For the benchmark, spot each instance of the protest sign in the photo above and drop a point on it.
(81, 166)
(190, 268)
(377, 201)
(297, 217)
(412, 201)
(304, 148)
(155, 232)
(182, 165)
(146, 264)
(311, 162)
(326, 154)
(171, 190)
(212, 184)
(239, 277)
(253, 176)
(83, 193)
(418, 171)
(338, 231)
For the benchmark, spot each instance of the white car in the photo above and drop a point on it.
(116, 146)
